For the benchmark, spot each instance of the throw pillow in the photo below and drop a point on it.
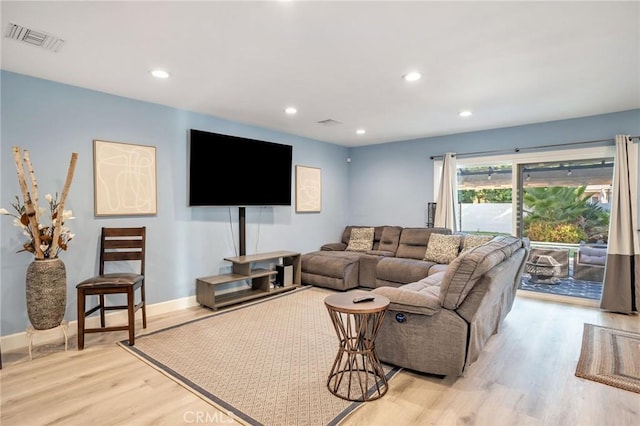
(472, 241)
(442, 248)
(361, 239)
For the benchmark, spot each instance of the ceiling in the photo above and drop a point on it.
(511, 63)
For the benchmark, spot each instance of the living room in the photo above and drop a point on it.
(378, 183)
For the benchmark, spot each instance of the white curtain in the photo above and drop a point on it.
(447, 201)
(621, 291)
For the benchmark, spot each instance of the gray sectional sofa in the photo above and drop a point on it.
(395, 258)
(440, 324)
(441, 314)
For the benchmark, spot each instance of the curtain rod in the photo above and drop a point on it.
(506, 151)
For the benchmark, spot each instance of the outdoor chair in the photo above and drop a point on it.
(116, 245)
(589, 263)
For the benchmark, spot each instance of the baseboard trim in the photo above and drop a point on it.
(20, 341)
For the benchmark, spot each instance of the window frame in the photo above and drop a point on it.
(516, 159)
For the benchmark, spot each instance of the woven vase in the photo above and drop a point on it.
(46, 293)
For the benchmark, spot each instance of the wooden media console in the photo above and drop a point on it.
(243, 268)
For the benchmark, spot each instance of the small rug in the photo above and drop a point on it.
(610, 356)
(261, 363)
(565, 287)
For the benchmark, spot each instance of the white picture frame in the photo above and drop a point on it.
(308, 189)
(124, 179)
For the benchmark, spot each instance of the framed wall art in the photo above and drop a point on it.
(308, 189)
(124, 179)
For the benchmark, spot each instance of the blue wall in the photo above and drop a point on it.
(392, 183)
(383, 184)
(53, 120)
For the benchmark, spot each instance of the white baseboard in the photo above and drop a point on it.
(19, 340)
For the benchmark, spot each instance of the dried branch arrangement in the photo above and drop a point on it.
(43, 244)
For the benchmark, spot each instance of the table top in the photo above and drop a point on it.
(343, 302)
(258, 257)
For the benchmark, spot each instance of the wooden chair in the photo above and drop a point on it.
(116, 245)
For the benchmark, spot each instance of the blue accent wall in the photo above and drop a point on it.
(53, 120)
(392, 183)
(383, 184)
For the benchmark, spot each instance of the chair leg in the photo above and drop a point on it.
(131, 315)
(102, 322)
(81, 311)
(144, 307)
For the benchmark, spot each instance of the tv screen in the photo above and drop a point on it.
(234, 171)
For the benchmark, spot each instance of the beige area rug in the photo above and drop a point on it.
(263, 363)
(610, 356)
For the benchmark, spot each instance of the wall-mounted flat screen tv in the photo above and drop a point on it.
(234, 171)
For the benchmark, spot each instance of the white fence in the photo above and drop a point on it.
(486, 217)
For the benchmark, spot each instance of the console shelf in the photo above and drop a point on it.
(243, 269)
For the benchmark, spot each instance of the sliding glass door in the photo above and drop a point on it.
(564, 211)
(558, 200)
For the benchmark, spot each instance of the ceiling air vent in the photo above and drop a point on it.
(329, 122)
(34, 37)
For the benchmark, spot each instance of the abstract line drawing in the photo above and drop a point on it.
(124, 179)
(308, 189)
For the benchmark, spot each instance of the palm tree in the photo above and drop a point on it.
(562, 214)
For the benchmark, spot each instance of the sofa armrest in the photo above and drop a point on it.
(334, 247)
(425, 301)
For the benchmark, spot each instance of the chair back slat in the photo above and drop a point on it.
(123, 232)
(115, 256)
(122, 244)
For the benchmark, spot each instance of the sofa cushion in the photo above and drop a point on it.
(442, 248)
(413, 241)
(377, 235)
(382, 253)
(472, 241)
(421, 297)
(466, 269)
(402, 271)
(389, 239)
(334, 247)
(361, 239)
(329, 263)
(592, 260)
(338, 270)
(437, 268)
(592, 255)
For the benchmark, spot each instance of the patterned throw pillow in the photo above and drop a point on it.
(442, 248)
(361, 239)
(472, 241)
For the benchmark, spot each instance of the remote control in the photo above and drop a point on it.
(363, 299)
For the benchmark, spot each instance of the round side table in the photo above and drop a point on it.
(356, 374)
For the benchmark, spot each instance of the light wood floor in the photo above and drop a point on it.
(524, 377)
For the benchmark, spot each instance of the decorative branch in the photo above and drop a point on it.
(57, 220)
(30, 209)
(34, 184)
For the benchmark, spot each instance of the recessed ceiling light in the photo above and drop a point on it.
(361, 131)
(465, 113)
(160, 74)
(412, 76)
(291, 110)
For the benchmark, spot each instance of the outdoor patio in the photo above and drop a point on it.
(564, 287)
(561, 272)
